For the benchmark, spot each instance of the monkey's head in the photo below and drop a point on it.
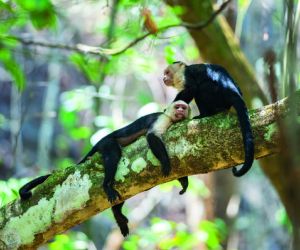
(178, 111)
(174, 75)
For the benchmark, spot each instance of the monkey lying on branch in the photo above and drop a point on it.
(110, 147)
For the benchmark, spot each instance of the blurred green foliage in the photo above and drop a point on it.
(89, 66)
(196, 186)
(165, 234)
(11, 65)
(283, 219)
(9, 189)
(70, 241)
(41, 13)
(16, 15)
(212, 233)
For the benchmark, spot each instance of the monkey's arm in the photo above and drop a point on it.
(159, 150)
(186, 95)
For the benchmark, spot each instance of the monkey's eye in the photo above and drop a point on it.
(167, 72)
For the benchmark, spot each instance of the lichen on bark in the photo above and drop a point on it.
(73, 195)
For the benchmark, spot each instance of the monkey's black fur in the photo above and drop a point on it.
(25, 191)
(215, 91)
(110, 148)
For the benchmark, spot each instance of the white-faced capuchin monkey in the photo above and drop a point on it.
(153, 126)
(214, 91)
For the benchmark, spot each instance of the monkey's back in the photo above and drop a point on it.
(212, 86)
(132, 131)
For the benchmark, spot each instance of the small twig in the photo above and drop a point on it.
(197, 26)
(86, 49)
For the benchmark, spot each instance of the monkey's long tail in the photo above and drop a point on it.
(246, 130)
(25, 191)
(89, 154)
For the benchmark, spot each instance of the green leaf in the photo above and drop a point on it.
(67, 119)
(13, 68)
(41, 12)
(5, 6)
(80, 133)
(169, 54)
(212, 232)
(179, 10)
(89, 66)
(9, 189)
(16, 72)
(43, 19)
(5, 55)
(35, 5)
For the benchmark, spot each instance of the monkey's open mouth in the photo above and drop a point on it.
(180, 116)
(167, 82)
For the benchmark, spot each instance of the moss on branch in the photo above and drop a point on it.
(73, 195)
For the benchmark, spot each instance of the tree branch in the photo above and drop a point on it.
(73, 195)
(99, 51)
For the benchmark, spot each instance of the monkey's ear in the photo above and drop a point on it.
(180, 63)
(189, 113)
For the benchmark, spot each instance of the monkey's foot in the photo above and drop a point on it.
(124, 229)
(112, 194)
(123, 225)
(166, 171)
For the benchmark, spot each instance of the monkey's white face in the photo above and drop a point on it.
(178, 111)
(174, 75)
(168, 76)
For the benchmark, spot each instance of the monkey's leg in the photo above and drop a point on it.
(159, 150)
(184, 181)
(120, 218)
(111, 153)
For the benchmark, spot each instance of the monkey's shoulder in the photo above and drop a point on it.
(142, 123)
(211, 77)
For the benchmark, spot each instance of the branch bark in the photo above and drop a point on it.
(73, 195)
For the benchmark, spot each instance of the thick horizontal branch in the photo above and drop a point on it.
(104, 52)
(71, 196)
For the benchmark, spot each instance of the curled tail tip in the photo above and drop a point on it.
(243, 170)
(25, 195)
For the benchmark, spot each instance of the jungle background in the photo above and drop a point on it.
(60, 92)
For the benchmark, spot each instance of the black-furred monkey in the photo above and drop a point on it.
(153, 125)
(214, 91)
